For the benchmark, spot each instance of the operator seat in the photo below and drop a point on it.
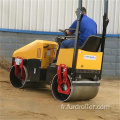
(92, 44)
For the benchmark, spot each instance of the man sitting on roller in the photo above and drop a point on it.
(88, 27)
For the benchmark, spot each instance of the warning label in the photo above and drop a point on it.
(89, 57)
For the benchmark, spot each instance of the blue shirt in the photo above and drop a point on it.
(88, 27)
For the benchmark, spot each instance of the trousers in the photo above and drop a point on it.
(68, 43)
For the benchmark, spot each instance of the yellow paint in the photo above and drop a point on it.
(93, 62)
(36, 50)
(65, 57)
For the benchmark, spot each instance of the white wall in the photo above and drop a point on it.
(51, 15)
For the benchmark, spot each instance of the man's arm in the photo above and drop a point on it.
(71, 29)
(73, 26)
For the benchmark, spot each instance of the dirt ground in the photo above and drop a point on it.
(39, 104)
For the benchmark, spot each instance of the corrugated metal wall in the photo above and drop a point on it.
(51, 15)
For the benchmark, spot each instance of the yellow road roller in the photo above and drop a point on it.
(75, 75)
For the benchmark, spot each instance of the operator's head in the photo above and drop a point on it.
(83, 9)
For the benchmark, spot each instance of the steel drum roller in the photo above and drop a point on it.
(77, 91)
(19, 81)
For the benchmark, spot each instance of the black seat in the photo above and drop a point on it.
(91, 44)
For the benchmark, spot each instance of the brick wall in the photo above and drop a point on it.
(111, 64)
(9, 42)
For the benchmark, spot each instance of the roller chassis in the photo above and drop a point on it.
(67, 83)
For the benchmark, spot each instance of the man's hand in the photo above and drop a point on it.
(64, 31)
(68, 32)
